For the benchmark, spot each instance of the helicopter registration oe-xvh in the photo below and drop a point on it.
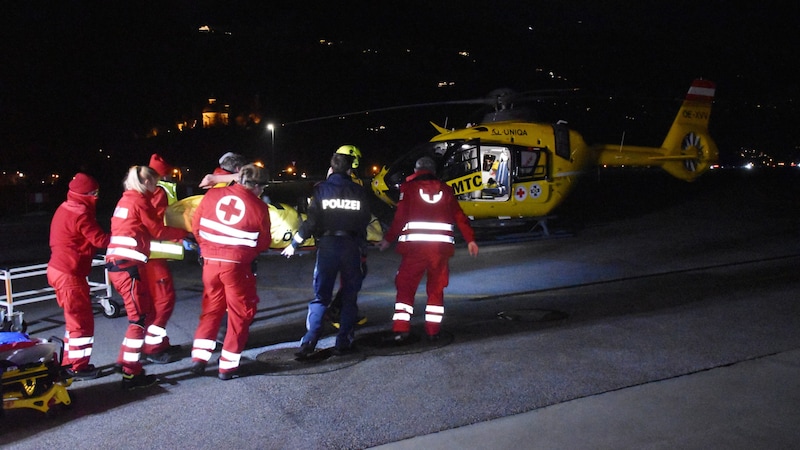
(511, 169)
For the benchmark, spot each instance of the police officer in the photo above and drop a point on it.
(335, 308)
(337, 216)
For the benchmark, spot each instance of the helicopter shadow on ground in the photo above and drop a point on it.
(602, 196)
(607, 195)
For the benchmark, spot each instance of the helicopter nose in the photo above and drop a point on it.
(381, 190)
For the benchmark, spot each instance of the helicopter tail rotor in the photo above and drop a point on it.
(687, 152)
(690, 149)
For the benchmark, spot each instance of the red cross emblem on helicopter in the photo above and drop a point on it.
(520, 193)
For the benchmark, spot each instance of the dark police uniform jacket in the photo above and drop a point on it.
(338, 207)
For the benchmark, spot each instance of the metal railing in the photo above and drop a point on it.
(12, 298)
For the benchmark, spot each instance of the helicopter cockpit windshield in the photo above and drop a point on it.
(476, 171)
(454, 159)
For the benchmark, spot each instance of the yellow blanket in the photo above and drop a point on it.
(284, 222)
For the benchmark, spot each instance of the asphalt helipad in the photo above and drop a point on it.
(668, 320)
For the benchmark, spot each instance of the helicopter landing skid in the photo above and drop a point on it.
(541, 223)
(516, 230)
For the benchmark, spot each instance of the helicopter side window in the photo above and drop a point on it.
(561, 134)
(532, 164)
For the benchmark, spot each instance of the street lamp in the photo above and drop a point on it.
(271, 129)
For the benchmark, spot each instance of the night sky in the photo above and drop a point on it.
(78, 76)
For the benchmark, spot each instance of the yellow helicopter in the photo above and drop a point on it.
(507, 168)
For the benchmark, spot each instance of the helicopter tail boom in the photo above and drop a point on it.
(688, 150)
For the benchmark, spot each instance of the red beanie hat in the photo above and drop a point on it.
(158, 164)
(83, 184)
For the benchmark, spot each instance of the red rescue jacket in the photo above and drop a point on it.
(231, 224)
(426, 216)
(75, 235)
(134, 224)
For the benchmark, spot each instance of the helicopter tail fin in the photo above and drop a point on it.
(690, 150)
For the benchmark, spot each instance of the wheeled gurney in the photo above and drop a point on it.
(32, 376)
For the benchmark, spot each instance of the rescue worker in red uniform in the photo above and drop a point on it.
(75, 237)
(232, 226)
(423, 225)
(157, 348)
(133, 225)
(228, 171)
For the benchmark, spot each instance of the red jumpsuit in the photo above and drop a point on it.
(133, 225)
(232, 226)
(423, 225)
(161, 287)
(75, 237)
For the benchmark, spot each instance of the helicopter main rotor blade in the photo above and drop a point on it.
(390, 108)
(499, 98)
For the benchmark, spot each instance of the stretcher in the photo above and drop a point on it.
(284, 221)
(32, 376)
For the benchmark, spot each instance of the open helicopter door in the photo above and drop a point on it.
(495, 173)
(462, 169)
(478, 172)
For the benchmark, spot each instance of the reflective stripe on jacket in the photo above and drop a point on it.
(232, 224)
(133, 224)
(427, 214)
(162, 198)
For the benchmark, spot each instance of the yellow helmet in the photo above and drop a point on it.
(351, 150)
